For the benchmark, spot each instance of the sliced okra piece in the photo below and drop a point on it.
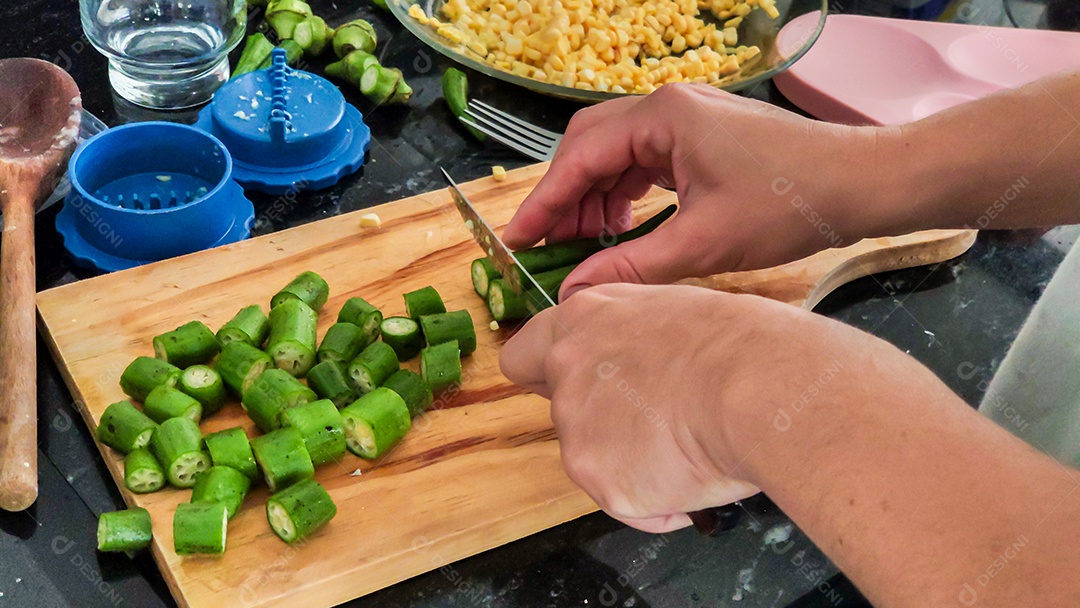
(221, 484)
(308, 287)
(177, 445)
(190, 344)
(447, 326)
(249, 325)
(412, 389)
(299, 510)
(363, 315)
(142, 473)
(231, 448)
(124, 428)
(282, 458)
(200, 528)
(271, 394)
(403, 335)
(320, 426)
(423, 301)
(329, 381)
(483, 273)
(240, 364)
(342, 342)
(373, 366)
(163, 403)
(440, 365)
(292, 336)
(124, 531)
(205, 385)
(375, 422)
(144, 374)
(504, 303)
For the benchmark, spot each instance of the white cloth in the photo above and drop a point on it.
(1036, 392)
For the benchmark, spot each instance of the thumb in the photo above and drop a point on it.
(655, 258)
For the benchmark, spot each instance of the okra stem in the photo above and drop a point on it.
(342, 342)
(329, 381)
(144, 374)
(221, 484)
(200, 528)
(308, 287)
(187, 345)
(282, 458)
(177, 445)
(440, 365)
(249, 325)
(271, 394)
(423, 301)
(412, 389)
(163, 403)
(124, 428)
(319, 424)
(127, 530)
(142, 473)
(375, 422)
(293, 336)
(231, 448)
(448, 326)
(240, 364)
(403, 335)
(373, 366)
(299, 510)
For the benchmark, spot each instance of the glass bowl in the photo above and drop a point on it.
(757, 29)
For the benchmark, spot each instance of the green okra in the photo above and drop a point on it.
(308, 287)
(299, 510)
(282, 458)
(483, 272)
(231, 448)
(163, 403)
(504, 303)
(284, 15)
(177, 445)
(373, 366)
(249, 325)
(124, 531)
(423, 301)
(450, 326)
(455, 89)
(240, 364)
(320, 426)
(574, 251)
(312, 35)
(440, 365)
(221, 484)
(200, 528)
(292, 336)
(271, 394)
(375, 422)
(412, 389)
(363, 315)
(403, 335)
(356, 35)
(124, 428)
(204, 384)
(342, 342)
(257, 49)
(330, 381)
(190, 344)
(144, 374)
(142, 473)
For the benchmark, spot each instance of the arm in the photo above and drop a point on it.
(912, 493)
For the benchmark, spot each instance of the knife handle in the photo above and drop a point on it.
(712, 521)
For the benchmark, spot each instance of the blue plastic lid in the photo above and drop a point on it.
(286, 129)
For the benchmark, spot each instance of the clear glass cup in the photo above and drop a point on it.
(165, 54)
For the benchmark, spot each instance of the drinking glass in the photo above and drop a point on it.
(165, 54)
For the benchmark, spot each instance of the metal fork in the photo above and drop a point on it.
(512, 132)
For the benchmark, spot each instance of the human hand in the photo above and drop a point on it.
(757, 185)
(661, 395)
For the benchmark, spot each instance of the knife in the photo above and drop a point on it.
(708, 522)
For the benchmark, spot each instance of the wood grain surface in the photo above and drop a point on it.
(480, 470)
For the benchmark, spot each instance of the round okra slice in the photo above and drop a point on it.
(504, 303)
(142, 473)
(292, 337)
(375, 422)
(231, 448)
(187, 345)
(204, 384)
(200, 528)
(403, 335)
(299, 510)
(124, 428)
(282, 458)
(373, 366)
(319, 424)
(221, 484)
(240, 364)
(124, 531)
(177, 445)
(483, 273)
(250, 325)
(144, 374)
(163, 403)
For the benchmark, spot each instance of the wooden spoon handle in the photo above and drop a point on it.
(18, 355)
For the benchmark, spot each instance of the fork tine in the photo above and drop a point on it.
(495, 112)
(504, 140)
(510, 130)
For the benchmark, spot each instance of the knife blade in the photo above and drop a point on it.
(519, 279)
(708, 522)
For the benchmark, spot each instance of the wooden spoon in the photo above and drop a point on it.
(40, 110)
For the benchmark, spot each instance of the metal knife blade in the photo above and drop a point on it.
(515, 274)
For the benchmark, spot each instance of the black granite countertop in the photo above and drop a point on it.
(958, 318)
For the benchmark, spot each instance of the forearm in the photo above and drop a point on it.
(1011, 160)
(913, 494)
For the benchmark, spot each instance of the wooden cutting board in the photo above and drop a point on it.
(480, 471)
